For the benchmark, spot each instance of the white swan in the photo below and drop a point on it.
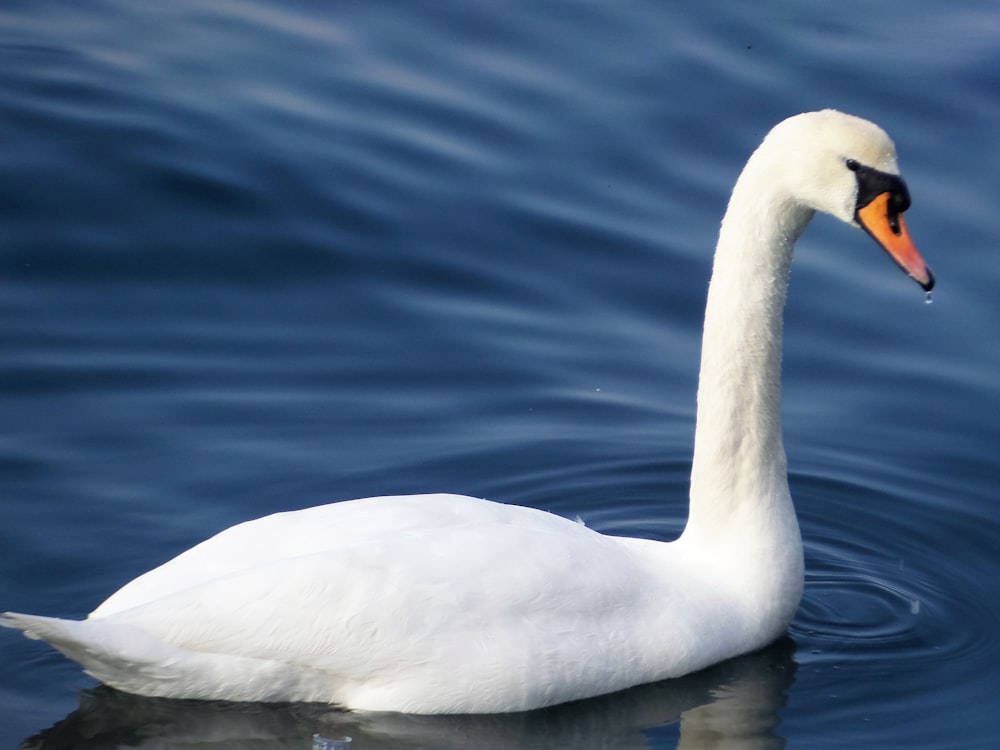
(449, 604)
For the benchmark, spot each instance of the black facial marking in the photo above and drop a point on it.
(872, 183)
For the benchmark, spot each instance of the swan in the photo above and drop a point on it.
(451, 604)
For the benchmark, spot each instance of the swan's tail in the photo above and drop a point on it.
(114, 653)
(130, 659)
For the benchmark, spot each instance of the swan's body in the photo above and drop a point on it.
(444, 604)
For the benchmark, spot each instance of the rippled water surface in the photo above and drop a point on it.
(259, 255)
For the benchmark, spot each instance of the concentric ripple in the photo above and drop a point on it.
(876, 585)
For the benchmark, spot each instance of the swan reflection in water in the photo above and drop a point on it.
(735, 703)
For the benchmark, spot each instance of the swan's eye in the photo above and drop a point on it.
(852, 165)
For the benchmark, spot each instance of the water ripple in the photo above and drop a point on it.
(876, 586)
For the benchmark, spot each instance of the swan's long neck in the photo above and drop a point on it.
(739, 486)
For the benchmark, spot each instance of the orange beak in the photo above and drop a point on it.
(889, 231)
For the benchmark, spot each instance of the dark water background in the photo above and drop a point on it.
(256, 256)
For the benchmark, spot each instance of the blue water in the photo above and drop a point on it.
(259, 255)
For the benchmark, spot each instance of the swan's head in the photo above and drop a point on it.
(846, 166)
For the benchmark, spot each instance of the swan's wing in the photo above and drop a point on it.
(497, 596)
(478, 617)
(428, 603)
(425, 603)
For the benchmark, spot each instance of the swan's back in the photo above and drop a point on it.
(335, 529)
